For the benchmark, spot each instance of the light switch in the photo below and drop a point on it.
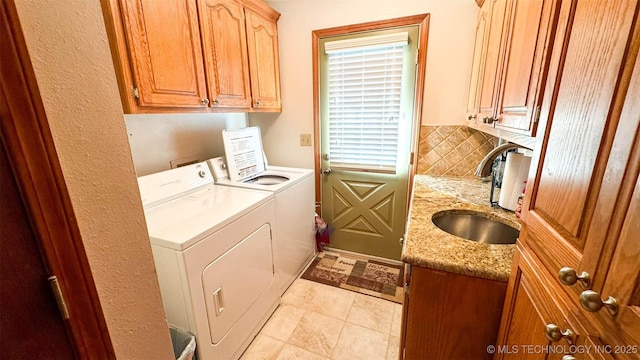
(305, 139)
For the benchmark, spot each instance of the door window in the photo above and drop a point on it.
(364, 87)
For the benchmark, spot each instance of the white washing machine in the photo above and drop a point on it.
(213, 251)
(294, 189)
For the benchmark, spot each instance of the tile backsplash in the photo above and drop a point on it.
(452, 150)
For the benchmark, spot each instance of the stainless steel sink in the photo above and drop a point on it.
(475, 226)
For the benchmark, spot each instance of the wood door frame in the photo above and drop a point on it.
(25, 133)
(421, 20)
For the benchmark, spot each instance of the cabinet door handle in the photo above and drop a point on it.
(472, 117)
(216, 101)
(258, 103)
(569, 276)
(554, 333)
(592, 302)
(205, 101)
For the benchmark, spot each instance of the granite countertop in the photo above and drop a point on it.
(428, 246)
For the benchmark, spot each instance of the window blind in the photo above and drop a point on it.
(364, 105)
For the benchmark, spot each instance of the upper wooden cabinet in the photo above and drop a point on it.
(490, 71)
(508, 82)
(164, 53)
(262, 38)
(195, 55)
(526, 59)
(581, 211)
(479, 51)
(224, 40)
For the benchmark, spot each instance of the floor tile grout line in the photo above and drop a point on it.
(311, 351)
(341, 321)
(333, 351)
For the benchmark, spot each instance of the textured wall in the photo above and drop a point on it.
(68, 46)
(452, 150)
(449, 53)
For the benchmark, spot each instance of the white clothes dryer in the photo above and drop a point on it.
(294, 189)
(213, 251)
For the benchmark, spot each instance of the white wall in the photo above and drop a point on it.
(450, 48)
(68, 47)
(157, 139)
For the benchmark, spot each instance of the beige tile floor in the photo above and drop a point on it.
(316, 321)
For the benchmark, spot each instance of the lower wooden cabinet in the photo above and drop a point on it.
(449, 316)
(578, 259)
(538, 323)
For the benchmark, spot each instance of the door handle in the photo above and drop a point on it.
(218, 301)
(326, 171)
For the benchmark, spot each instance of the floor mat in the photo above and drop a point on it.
(366, 276)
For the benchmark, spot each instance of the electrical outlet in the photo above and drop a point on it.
(305, 139)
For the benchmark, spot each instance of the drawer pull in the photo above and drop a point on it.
(489, 120)
(591, 301)
(554, 333)
(569, 276)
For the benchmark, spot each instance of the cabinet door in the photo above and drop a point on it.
(618, 270)
(623, 278)
(224, 41)
(524, 69)
(490, 74)
(587, 164)
(164, 47)
(479, 53)
(531, 313)
(443, 307)
(262, 39)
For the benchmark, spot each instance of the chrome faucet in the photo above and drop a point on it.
(484, 168)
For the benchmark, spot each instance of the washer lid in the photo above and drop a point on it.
(244, 152)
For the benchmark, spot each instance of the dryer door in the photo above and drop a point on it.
(234, 281)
